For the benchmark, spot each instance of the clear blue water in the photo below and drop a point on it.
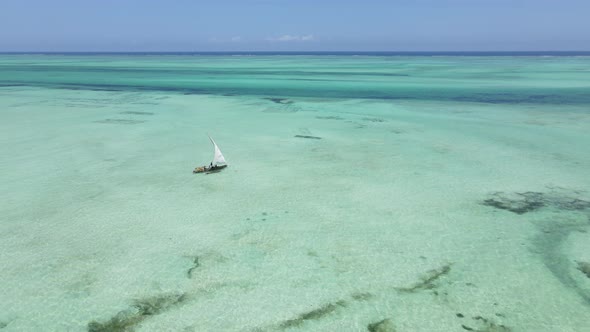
(365, 192)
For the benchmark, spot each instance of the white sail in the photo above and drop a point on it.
(218, 159)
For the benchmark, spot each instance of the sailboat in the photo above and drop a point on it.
(216, 165)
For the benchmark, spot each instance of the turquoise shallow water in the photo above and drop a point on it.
(363, 193)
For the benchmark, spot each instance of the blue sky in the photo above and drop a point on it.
(294, 25)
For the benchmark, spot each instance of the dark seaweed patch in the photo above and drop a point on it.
(3, 325)
(307, 136)
(584, 267)
(189, 92)
(141, 309)
(283, 101)
(554, 231)
(509, 98)
(549, 243)
(202, 260)
(521, 203)
(571, 204)
(137, 113)
(102, 90)
(7, 85)
(518, 205)
(313, 314)
(120, 121)
(157, 304)
(332, 117)
(328, 309)
(486, 325)
(196, 264)
(373, 120)
(362, 296)
(548, 96)
(385, 325)
(428, 281)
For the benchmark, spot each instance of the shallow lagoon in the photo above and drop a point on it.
(363, 193)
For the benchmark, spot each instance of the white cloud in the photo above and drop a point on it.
(289, 38)
(234, 39)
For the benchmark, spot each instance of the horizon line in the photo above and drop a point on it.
(295, 52)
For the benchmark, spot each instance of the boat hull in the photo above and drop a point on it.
(207, 169)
